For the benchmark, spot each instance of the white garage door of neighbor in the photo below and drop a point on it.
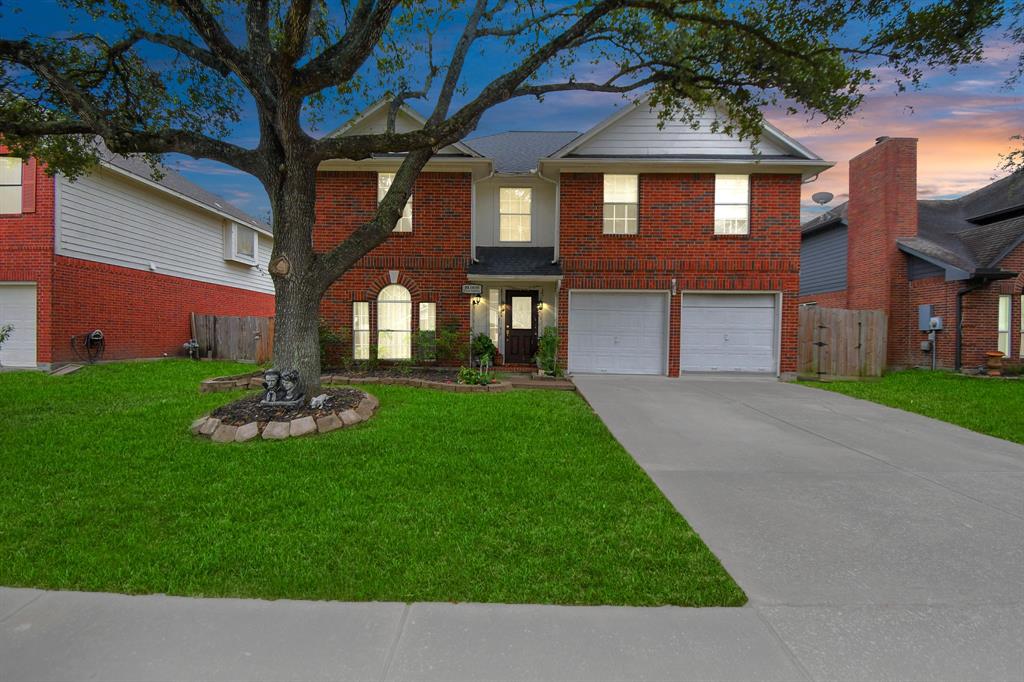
(617, 333)
(18, 308)
(728, 333)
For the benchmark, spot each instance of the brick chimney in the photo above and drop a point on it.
(882, 208)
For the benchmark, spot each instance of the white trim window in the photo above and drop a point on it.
(514, 214)
(361, 330)
(1005, 315)
(621, 203)
(394, 323)
(428, 317)
(241, 244)
(10, 185)
(384, 181)
(732, 204)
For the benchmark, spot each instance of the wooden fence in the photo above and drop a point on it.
(841, 344)
(234, 338)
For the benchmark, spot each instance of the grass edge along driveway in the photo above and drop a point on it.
(991, 406)
(519, 497)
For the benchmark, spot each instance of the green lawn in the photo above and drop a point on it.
(991, 406)
(514, 497)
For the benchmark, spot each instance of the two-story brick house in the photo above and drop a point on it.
(652, 249)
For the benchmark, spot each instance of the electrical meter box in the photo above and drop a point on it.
(924, 317)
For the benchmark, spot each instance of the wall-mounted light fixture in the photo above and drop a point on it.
(476, 300)
(540, 306)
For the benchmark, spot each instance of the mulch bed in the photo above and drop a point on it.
(248, 409)
(427, 374)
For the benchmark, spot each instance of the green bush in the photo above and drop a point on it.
(426, 346)
(483, 347)
(472, 377)
(450, 345)
(330, 346)
(547, 352)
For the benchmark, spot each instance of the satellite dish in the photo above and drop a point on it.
(822, 198)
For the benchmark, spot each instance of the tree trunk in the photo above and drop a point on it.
(296, 331)
(297, 283)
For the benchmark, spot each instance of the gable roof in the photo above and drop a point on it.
(519, 151)
(378, 108)
(175, 184)
(778, 140)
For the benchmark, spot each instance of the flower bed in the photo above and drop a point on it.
(246, 419)
(440, 379)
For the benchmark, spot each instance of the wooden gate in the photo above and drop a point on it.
(249, 339)
(841, 344)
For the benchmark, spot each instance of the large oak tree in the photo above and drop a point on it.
(158, 76)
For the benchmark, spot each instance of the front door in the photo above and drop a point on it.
(520, 326)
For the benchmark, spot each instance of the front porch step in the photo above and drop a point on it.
(534, 382)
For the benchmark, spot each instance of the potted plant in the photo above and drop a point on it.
(994, 362)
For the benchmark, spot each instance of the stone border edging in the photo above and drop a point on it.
(255, 380)
(212, 427)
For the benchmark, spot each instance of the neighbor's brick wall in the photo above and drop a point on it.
(26, 249)
(676, 240)
(432, 260)
(142, 314)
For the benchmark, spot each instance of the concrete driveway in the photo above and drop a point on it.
(874, 542)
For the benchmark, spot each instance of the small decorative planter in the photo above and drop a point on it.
(225, 429)
(994, 362)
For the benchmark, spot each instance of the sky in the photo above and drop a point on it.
(963, 122)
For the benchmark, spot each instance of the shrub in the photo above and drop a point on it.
(426, 346)
(483, 347)
(450, 345)
(547, 352)
(329, 343)
(472, 377)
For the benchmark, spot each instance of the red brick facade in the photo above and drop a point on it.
(26, 250)
(675, 240)
(882, 209)
(142, 314)
(431, 261)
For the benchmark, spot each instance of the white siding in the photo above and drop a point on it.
(108, 218)
(377, 123)
(542, 210)
(637, 134)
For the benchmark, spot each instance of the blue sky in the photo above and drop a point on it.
(963, 121)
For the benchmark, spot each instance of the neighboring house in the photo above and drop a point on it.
(121, 252)
(652, 249)
(887, 250)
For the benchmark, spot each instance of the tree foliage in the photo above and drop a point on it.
(158, 76)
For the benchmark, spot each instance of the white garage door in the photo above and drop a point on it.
(18, 308)
(728, 333)
(617, 333)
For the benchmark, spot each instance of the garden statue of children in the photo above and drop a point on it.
(283, 388)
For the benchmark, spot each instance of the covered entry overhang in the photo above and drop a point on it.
(518, 298)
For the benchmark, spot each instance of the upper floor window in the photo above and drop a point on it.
(241, 244)
(514, 210)
(384, 181)
(10, 184)
(621, 196)
(732, 204)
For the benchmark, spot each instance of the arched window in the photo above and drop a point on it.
(394, 323)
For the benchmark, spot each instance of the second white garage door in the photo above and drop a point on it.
(617, 333)
(728, 333)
